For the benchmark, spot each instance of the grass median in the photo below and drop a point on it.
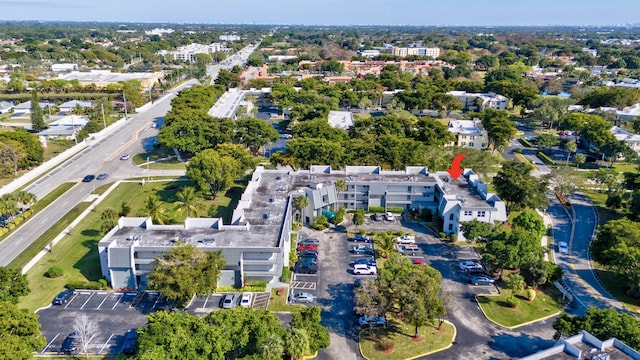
(547, 302)
(278, 301)
(404, 345)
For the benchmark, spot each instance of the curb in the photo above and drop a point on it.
(515, 326)
(453, 339)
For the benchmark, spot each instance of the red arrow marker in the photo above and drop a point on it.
(455, 171)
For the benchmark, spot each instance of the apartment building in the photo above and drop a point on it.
(469, 133)
(256, 243)
(432, 52)
(480, 101)
(630, 139)
(188, 52)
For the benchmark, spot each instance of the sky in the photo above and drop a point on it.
(331, 12)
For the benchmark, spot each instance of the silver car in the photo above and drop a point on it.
(301, 297)
(229, 301)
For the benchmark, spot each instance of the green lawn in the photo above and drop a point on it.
(599, 202)
(55, 147)
(404, 346)
(547, 302)
(278, 302)
(158, 152)
(625, 167)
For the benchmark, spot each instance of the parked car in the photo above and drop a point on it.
(481, 280)
(130, 339)
(364, 270)
(389, 216)
(308, 254)
(307, 261)
(305, 268)
(479, 272)
(63, 297)
(362, 249)
(416, 261)
(364, 261)
(102, 176)
(408, 249)
(465, 265)
(357, 282)
(246, 299)
(305, 247)
(301, 297)
(309, 242)
(372, 320)
(88, 178)
(406, 239)
(378, 217)
(360, 238)
(70, 344)
(563, 248)
(125, 157)
(229, 301)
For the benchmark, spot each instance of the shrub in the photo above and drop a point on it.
(512, 302)
(395, 209)
(286, 274)
(103, 283)
(340, 215)
(54, 272)
(426, 214)
(525, 142)
(531, 294)
(376, 209)
(386, 345)
(442, 234)
(125, 209)
(320, 223)
(454, 237)
(545, 158)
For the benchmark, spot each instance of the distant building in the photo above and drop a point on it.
(369, 53)
(340, 119)
(64, 67)
(592, 52)
(629, 113)
(158, 31)
(229, 37)
(432, 52)
(188, 52)
(586, 346)
(281, 57)
(480, 101)
(65, 128)
(469, 133)
(25, 107)
(102, 78)
(632, 140)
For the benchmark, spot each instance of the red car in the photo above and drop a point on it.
(307, 247)
(418, 262)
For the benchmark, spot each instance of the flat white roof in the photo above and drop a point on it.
(340, 119)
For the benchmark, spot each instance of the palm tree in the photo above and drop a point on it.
(297, 343)
(386, 244)
(25, 198)
(188, 201)
(516, 283)
(8, 205)
(300, 203)
(571, 147)
(272, 347)
(341, 185)
(154, 208)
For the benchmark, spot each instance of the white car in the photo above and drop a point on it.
(364, 270)
(563, 247)
(302, 297)
(246, 299)
(389, 216)
(469, 265)
(406, 239)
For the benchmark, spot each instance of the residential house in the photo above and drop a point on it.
(632, 140)
(69, 106)
(64, 128)
(469, 133)
(480, 101)
(25, 107)
(5, 107)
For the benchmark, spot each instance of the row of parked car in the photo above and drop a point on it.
(477, 273)
(307, 257)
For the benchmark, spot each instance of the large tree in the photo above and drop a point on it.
(499, 127)
(518, 188)
(254, 134)
(13, 284)
(187, 201)
(37, 118)
(20, 331)
(213, 172)
(186, 271)
(309, 319)
(603, 324)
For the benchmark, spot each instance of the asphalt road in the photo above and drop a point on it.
(134, 136)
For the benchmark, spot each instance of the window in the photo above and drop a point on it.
(451, 217)
(464, 143)
(481, 213)
(484, 145)
(468, 213)
(471, 144)
(450, 226)
(473, 137)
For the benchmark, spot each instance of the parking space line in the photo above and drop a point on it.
(105, 344)
(69, 302)
(85, 303)
(204, 306)
(156, 302)
(114, 305)
(49, 344)
(103, 300)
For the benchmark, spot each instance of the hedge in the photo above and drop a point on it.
(286, 274)
(376, 209)
(87, 285)
(525, 142)
(545, 158)
(54, 272)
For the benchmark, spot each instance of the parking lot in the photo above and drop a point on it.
(114, 314)
(207, 304)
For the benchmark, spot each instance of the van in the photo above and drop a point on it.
(364, 269)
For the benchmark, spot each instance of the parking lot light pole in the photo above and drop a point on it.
(148, 175)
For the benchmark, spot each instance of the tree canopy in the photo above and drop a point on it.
(518, 188)
(20, 331)
(13, 284)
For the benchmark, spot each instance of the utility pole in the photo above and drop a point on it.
(73, 127)
(124, 97)
(104, 120)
